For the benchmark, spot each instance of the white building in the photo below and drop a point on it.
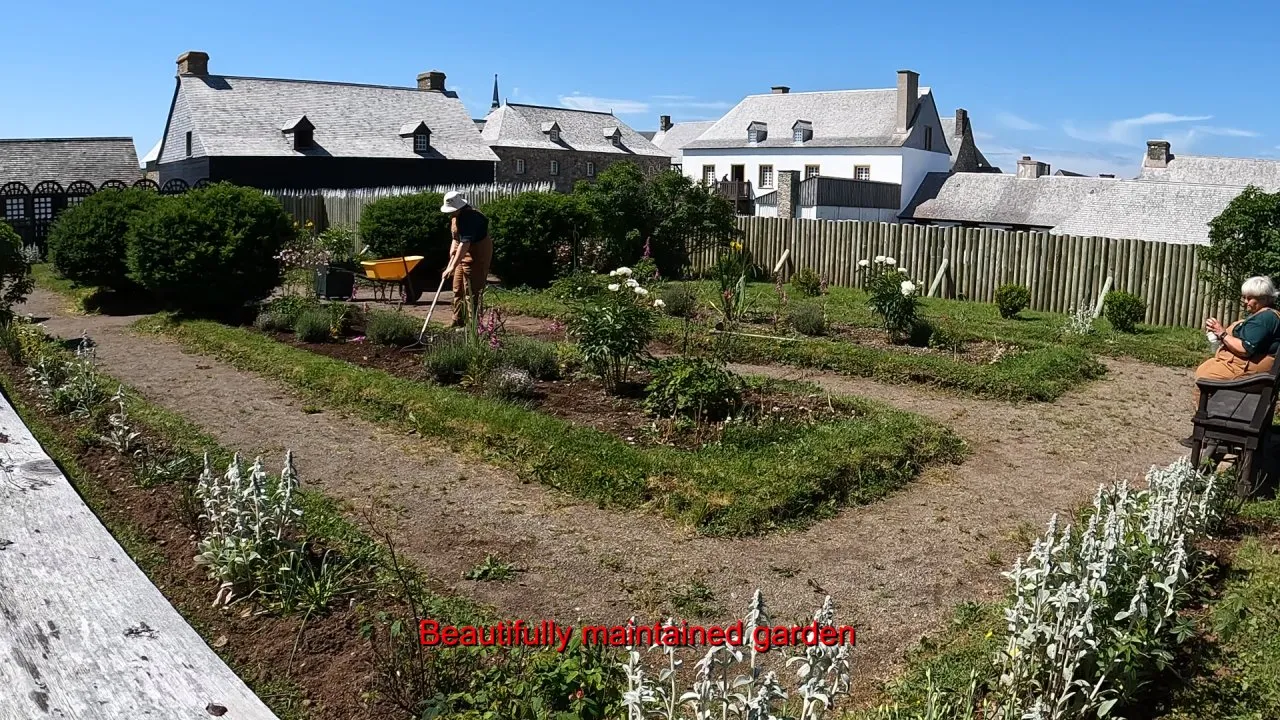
(885, 136)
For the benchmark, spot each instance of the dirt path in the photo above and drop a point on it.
(894, 568)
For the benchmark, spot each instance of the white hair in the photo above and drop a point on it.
(1259, 288)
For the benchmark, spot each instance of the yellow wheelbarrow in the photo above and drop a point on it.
(396, 271)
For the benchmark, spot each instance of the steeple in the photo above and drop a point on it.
(495, 104)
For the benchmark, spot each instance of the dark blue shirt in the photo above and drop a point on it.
(472, 225)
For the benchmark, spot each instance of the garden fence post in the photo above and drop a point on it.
(937, 278)
(782, 261)
(1106, 288)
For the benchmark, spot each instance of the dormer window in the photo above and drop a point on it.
(802, 131)
(552, 131)
(420, 133)
(757, 132)
(300, 131)
(613, 135)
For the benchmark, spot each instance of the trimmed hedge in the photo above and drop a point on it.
(210, 250)
(88, 242)
(407, 225)
(531, 230)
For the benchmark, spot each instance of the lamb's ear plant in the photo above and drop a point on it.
(120, 435)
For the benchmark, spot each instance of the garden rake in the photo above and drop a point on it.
(422, 333)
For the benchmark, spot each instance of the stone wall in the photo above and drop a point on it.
(573, 165)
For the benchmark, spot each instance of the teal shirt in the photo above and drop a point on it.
(1260, 333)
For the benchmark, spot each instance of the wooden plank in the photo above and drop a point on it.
(88, 635)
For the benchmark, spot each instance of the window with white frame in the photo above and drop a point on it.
(42, 207)
(709, 174)
(421, 142)
(861, 172)
(554, 134)
(591, 169)
(555, 167)
(766, 176)
(811, 171)
(519, 166)
(14, 208)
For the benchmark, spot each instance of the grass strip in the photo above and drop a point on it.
(754, 481)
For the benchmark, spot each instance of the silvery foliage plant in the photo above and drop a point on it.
(120, 434)
(1094, 608)
(1079, 320)
(248, 519)
(69, 385)
(731, 682)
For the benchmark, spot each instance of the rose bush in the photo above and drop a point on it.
(613, 329)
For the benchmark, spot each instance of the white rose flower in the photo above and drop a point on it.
(641, 291)
(658, 303)
(890, 261)
(864, 263)
(623, 272)
(631, 283)
(908, 287)
(613, 287)
(879, 258)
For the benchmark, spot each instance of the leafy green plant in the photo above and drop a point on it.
(286, 309)
(1012, 299)
(393, 329)
(693, 387)
(88, 241)
(947, 334)
(893, 297)
(536, 229)
(536, 357)
(806, 283)
(808, 318)
(15, 272)
(578, 285)
(273, 321)
(450, 358)
(492, 569)
(210, 250)
(313, 326)
(341, 244)
(1244, 240)
(1079, 322)
(679, 300)
(732, 270)
(407, 225)
(120, 435)
(1124, 310)
(613, 330)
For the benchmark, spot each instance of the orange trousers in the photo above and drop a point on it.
(471, 272)
(1226, 365)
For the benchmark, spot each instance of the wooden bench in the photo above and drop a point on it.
(1236, 415)
(83, 632)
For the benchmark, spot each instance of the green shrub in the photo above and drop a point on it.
(394, 329)
(808, 318)
(693, 387)
(1124, 310)
(892, 296)
(531, 232)
(1012, 299)
(679, 300)
(209, 250)
(613, 330)
(288, 307)
(578, 285)
(806, 283)
(453, 358)
(15, 272)
(313, 326)
(536, 357)
(407, 225)
(339, 242)
(88, 243)
(273, 321)
(948, 335)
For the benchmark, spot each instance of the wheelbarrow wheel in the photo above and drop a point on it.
(411, 292)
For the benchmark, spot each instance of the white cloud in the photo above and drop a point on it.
(676, 98)
(1013, 122)
(979, 135)
(1125, 132)
(1227, 131)
(703, 105)
(597, 104)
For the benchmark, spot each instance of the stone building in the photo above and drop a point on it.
(562, 146)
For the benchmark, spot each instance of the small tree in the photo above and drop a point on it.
(618, 201)
(1244, 240)
(531, 230)
(15, 272)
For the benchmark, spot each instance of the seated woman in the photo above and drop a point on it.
(1249, 345)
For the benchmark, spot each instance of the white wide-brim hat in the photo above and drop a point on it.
(453, 202)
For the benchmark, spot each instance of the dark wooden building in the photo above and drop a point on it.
(304, 134)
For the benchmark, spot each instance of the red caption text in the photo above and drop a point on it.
(550, 634)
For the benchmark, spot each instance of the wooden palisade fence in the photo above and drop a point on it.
(1062, 271)
(344, 207)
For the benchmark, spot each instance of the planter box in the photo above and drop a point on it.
(335, 283)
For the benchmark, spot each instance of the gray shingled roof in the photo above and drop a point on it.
(239, 116)
(514, 125)
(1001, 199)
(841, 118)
(66, 160)
(1160, 211)
(955, 145)
(673, 141)
(1233, 172)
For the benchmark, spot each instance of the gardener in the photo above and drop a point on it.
(469, 254)
(1248, 345)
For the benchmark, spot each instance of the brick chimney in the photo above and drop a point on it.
(664, 122)
(193, 62)
(1028, 168)
(780, 89)
(1158, 155)
(962, 121)
(908, 96)
(432, 81)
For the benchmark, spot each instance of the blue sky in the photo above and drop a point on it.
(1080, 85)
